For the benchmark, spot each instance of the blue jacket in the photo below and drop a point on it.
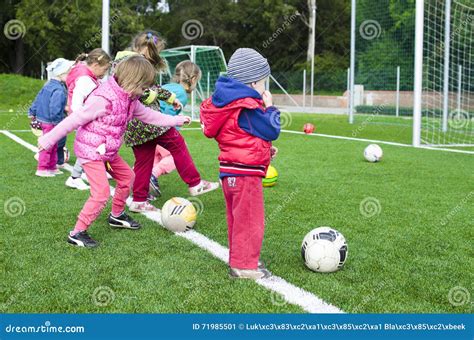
(180, 94)
(264, 124)
(50, 103)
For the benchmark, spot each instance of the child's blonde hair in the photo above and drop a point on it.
(97, 55)
(188, 74)
(150, 43)
(135, 73)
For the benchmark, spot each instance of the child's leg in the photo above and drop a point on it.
(163, 163)
(124, 177)
(100, 192)
(248, 220)
(77, 170)
(60, 150)
(45, 157)
(174, 143)
(144, 156)
(228, 196)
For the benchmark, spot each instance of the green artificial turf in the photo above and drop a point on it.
(406, 258)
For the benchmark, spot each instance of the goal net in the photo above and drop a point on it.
(210, 60)
(447, 80)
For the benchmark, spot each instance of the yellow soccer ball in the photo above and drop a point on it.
(271, 177)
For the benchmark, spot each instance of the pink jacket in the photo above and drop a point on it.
(77, 71)
(102, 122)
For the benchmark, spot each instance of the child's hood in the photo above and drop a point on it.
(229, 95)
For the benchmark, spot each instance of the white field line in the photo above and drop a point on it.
(377, 141)
(291, 293)
(364, 140)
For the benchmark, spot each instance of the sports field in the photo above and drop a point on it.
(408, 221)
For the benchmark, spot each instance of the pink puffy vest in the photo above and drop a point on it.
(109, 129)
(77, 71)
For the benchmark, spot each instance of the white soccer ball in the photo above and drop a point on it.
(324, 250)
(373, 153)
(178, 214)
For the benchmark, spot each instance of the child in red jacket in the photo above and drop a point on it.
(241, 117)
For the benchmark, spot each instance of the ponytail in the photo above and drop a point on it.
(150, 44)
(97, 55)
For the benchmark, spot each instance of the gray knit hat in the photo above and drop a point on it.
(247, 66)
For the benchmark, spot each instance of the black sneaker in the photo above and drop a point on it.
(82, 239)
(155, 186)
(123, 221)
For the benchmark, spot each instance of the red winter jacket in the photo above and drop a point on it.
(240, 152)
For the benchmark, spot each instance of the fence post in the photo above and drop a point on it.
(304, 87)
(459, 88)
(398, 92)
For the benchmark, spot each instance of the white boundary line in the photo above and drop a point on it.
(378, 141)
(291, 293)
(365, 140)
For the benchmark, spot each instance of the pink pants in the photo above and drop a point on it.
(100, 190)
(163, 163)
(48, 158)
(245, 220)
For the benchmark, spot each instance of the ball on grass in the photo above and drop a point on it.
(271, 177)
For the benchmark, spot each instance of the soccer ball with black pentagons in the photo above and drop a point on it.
(178, 214)
(324, 250)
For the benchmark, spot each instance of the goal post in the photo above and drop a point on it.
(443, 110)
(210, 60)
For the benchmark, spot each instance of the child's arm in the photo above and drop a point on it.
(56, 104)
(149, 116)
(32, 110)
(159, 93)
(264, 124)
(94, 108)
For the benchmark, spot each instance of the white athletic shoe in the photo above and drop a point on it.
(56, 172)
(142, 207)
(76, 183)
(252, 274)
(203, 187)
(44, 173)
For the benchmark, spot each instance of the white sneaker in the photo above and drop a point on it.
(203, 187)
(252, 274)
(56, 172)
(44, 173)
(142, 207)
(76, 183)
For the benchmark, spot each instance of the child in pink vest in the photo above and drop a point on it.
(81, 81)
(100, 125)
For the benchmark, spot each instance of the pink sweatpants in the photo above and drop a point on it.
(48, 158)
(163, 163)
(245, 219)
(100, 190)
